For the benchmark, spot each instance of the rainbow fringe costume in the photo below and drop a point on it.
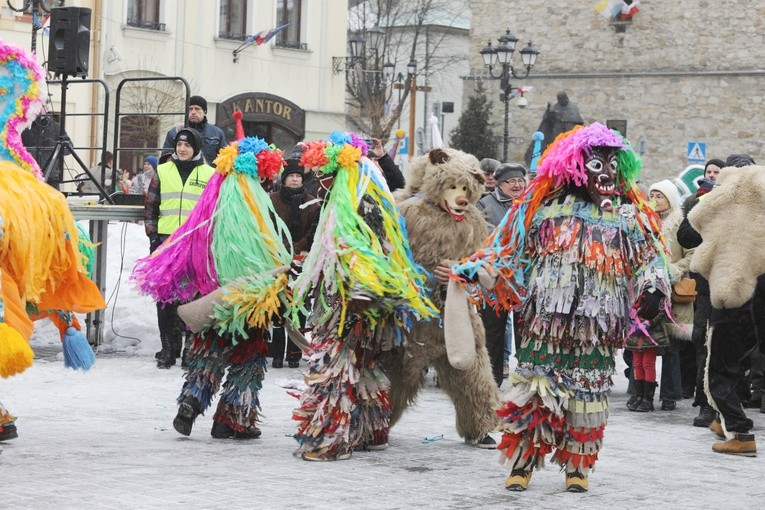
(230, 244)
(577, 271)
(366, 290)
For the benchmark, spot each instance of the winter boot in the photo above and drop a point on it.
(762, 406)
(633, 402)
(519, 480)
(486, 442)
(167, 357)
(185, 357)
(188, 410)
(741, 444)
(646, 403)
(668, 405)
(705, 417)
(8, 432)
(576, 482)
(223, 431)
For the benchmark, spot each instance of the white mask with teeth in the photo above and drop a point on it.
(455, 201)
(601, 168)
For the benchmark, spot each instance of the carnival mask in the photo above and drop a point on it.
(455, 201)
(601, 174)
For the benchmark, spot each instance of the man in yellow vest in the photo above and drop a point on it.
(173, 192)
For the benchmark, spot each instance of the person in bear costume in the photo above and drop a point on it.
(444, 225)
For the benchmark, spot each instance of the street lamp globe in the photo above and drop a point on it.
(529, 56)
(411, 67)
(388, 71)
(356, 44)
(375, 35)
(489, 55)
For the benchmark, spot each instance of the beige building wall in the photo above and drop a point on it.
(680, 72)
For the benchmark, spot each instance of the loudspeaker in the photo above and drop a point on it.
(69, 47)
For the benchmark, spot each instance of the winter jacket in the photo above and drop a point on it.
(213, 140)
(494, 206)
(302, 236)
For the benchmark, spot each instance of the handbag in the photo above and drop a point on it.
(684, 290)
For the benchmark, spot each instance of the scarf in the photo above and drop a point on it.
(295, 198)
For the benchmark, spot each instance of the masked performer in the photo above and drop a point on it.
(367, 290)
(229, 251)
(582, 251)
(42, 271)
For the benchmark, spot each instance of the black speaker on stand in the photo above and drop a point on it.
(69, 55)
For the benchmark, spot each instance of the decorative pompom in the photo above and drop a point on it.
(252, 144)
(270, 163)
(77, 352)
(313, 155)
(359, 143)
(246, 163)
(239, 132)
(348, 157)
(338, 138)
(224, 163)
(15, 353)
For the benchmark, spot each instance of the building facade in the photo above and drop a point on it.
(678, 74)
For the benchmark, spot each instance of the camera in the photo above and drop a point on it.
(522, 102)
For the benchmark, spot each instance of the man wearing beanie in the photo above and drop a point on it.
(511, 181)
(301, 222)
(213, 138)
(173, 192)
(144, 176)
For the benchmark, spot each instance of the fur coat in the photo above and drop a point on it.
(731, 221)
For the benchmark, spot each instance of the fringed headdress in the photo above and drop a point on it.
(233, 238)
(351, 259)
(561, 166)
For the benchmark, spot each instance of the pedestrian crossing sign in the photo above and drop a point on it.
(697, 151)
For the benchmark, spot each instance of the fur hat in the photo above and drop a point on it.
(507, 171)
(489, 166)
(191, 136)
(198, 101)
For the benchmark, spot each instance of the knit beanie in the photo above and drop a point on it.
(669, 190)
(739, 160)
(507, 171)
(191, 137)
(292, 167)
(152, 160)
(488, 165)
(198, 101)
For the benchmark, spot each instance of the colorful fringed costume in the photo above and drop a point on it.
(366, 291)
(42, 270)
(226, 251)
(582, 251)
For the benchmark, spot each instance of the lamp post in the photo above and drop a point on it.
(411, 70)
(502, 54)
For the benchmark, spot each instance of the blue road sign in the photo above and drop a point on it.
(697, 151)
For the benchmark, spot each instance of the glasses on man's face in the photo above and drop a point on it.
(516, 181)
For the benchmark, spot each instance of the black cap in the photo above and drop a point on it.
(191, 136)
(739, 160)
(293, 167)
(198, 101)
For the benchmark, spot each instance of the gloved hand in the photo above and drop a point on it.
(649, 305)
(154, 242)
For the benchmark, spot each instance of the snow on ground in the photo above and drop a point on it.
(104, 439)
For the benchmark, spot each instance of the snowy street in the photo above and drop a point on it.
(104, 439)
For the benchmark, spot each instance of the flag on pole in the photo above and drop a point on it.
(264, 36)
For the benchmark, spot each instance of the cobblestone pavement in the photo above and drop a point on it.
(104, 439)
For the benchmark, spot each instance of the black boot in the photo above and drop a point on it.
(223, 431)
(646, 403)
(705, 417)
(167, 357)
(185, 357)
(633, 402)
(166, 323)
(188, 410)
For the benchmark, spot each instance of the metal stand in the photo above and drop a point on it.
(64, 146)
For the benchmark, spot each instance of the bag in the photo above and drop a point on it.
(684, 290)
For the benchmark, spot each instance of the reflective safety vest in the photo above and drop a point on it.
(176, 198)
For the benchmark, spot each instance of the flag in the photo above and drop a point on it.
(609, 8)
(264, 36)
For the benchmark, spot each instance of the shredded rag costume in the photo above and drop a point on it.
(42, 268)
(367, 290)
(577, 250)
(228, 251)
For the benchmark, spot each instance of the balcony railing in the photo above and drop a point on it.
(232, 36)
(295, 45)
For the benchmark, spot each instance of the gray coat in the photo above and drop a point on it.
(494, 206)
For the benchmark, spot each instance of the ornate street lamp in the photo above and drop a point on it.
(502, 56)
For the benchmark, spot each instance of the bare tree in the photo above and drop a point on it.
(413, 30)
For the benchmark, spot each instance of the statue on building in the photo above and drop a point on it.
(557, 119)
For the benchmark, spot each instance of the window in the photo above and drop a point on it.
(233, 19)
(289, 11)
(144, 14)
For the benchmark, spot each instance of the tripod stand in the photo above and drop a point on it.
(64, 146)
